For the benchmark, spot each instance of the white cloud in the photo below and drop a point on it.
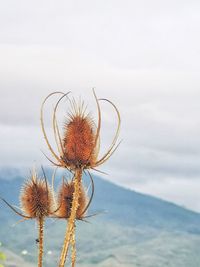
(143, 56)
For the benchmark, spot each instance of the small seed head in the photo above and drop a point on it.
(65, 197)
(36, 198)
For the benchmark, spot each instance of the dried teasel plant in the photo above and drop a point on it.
(78, 149)
(36, 200)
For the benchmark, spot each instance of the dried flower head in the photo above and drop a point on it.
(79, 145)
(65, 198)
(36, 198)
(79, 142)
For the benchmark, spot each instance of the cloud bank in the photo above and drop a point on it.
(143, 56)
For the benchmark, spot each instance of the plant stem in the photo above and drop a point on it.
(41, 241)
(73, 245)
(72, 218)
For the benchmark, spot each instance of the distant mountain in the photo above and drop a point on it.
(136, 230)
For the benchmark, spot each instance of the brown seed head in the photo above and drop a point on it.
(79, 142)
(36, 198)
(65, 197)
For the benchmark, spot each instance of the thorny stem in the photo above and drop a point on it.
(71, 222)
(41, 240)
(73, 245)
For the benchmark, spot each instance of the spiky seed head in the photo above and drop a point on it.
(65, 197)
(79, 141)
(36, 198)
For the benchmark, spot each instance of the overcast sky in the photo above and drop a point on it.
(142, 55)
